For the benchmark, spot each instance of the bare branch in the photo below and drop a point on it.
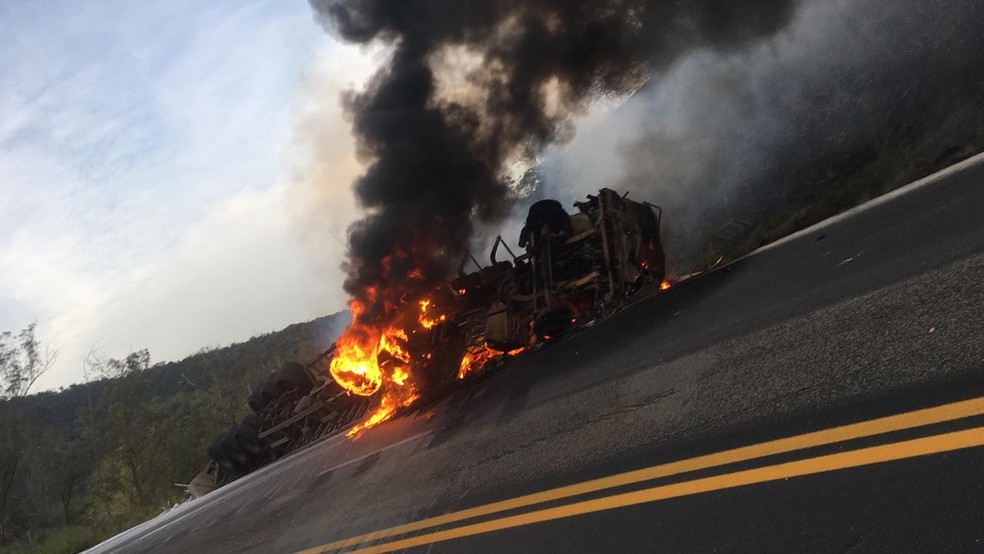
(23, 361)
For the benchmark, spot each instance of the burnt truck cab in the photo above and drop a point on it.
(575, 267)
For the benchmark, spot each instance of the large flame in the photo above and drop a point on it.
(356, 364)
(368, 362)
(376, 360)
(372, 360)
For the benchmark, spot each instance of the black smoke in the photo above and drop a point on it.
(437, 158)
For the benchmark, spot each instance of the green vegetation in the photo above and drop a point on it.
(90, 461)
(842, 178)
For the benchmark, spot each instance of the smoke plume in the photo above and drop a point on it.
(850, 99)
(474, 89)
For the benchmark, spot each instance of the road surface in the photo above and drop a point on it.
(823, 394)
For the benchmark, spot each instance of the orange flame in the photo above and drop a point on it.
(376, 359)
(400, 376)
(664, 285)
(428, 322)
(387, 407)
(357, 368)
(370, 360)
(477, 358)
(472, 361)
(355, 365)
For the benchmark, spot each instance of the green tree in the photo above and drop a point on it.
(22, 361)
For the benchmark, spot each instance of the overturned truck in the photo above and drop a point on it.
(572, 270)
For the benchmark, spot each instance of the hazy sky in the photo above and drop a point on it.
(145, 154)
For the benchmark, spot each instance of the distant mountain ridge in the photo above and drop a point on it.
(299, 341)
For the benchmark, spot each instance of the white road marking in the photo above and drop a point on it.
(383, 449)
(887, 197)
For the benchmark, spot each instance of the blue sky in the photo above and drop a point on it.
(152, 159)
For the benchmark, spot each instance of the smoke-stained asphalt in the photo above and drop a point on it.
(876, 314)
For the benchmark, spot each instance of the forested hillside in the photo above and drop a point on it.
(91, 460)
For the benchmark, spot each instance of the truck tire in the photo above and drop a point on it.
(271, 389)
(231, 448)
(227, 454)
(217, 452)
(549, 214)
(294, 376)
(247, 439)
(256, 401)
(254, 421)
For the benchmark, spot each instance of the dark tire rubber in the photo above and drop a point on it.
(227, 454)
(254, 421)
(271, 389)
(256, 401)
(248, 440)
(231, 448)
(217, 452)
(294, 376)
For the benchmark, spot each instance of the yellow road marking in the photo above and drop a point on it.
(908, 420)
(855, 458)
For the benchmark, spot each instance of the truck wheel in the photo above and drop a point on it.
(227, 454)
(217, 452)
(256, 400)
(271, 390)
(254, 421)
(247, 439)
(294, 376)
(549, 214)
(231, 448)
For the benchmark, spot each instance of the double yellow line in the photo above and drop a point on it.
(854, 458)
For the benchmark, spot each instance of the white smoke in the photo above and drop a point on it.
(725, 136)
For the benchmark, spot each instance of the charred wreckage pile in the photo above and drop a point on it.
(572, 271)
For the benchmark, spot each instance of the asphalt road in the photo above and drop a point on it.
(725, 398)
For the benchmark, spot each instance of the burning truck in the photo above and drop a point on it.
(571, 270)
